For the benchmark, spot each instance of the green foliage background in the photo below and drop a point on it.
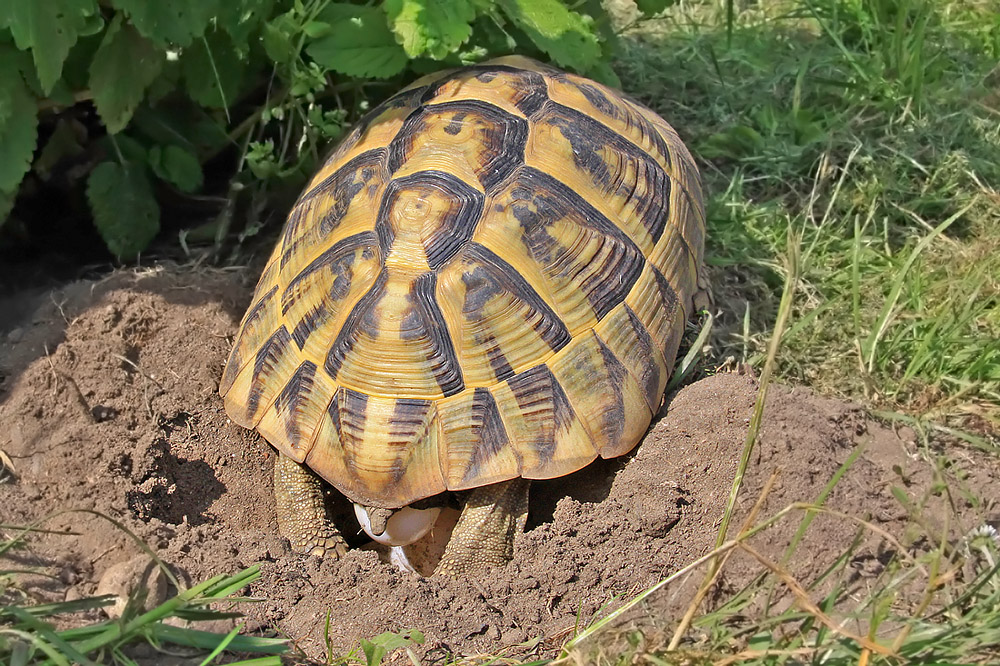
(176, 83)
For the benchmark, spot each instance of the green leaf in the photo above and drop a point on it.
(653, 7)
(433, 27)
(169, 22)
(176, 165)
(125, 212)
(213, 71)
(240, 18)
(603, 73)
(49, 29)
(130, 149)
(19, 127)
(279, 39)
(337, 12)
(561, 33)
(361, 46)
(123, 67)
(181, 123)
(6, 103)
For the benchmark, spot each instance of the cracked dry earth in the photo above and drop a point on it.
(109, 402)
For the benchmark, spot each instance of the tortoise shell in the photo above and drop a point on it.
(489, 278)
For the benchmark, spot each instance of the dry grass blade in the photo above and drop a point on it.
(807, 604)
(784, 312)
(717, 566)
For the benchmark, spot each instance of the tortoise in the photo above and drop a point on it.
(486, 283)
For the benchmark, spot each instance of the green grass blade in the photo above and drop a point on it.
(885, 316)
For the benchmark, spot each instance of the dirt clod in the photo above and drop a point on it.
(122, 580)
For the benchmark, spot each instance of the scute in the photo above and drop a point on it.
(487, 279)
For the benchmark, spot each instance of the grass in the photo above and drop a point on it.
(872, 128)
(30, 633)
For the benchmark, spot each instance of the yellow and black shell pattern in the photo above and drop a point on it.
(488, 279)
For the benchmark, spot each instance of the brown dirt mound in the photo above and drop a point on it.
(110, 403)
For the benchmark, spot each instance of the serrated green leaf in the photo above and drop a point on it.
(123, 67)
(653, 7)
(278, 38)
(176, 165)
(560, 32)
(361, 46)
(125, 212)
(213, 71)
(19, 132)
(169, 22)
(316, 29)
(49, 29)
(432, 27)
(75, 74)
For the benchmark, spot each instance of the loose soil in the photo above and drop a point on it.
(109, 402)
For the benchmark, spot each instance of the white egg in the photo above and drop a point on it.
(403, 527)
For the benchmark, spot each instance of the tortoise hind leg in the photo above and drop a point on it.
(302, 518)
(484, 535)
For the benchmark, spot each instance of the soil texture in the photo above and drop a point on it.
(109, 402)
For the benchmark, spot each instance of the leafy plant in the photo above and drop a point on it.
(251, 88)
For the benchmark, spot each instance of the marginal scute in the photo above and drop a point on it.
(487, 279)
(258, 383)
(603, 393)
(679, 267)
(681, 166)
(656, 305)
(259, 321)
(381, 447)
(547, 434)
(627, 338)
(297, 410)
(475, 448)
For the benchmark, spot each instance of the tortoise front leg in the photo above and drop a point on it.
(302, 518)
(484, 535)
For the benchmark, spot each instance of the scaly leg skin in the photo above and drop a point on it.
(302, 518)
(484, 535)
